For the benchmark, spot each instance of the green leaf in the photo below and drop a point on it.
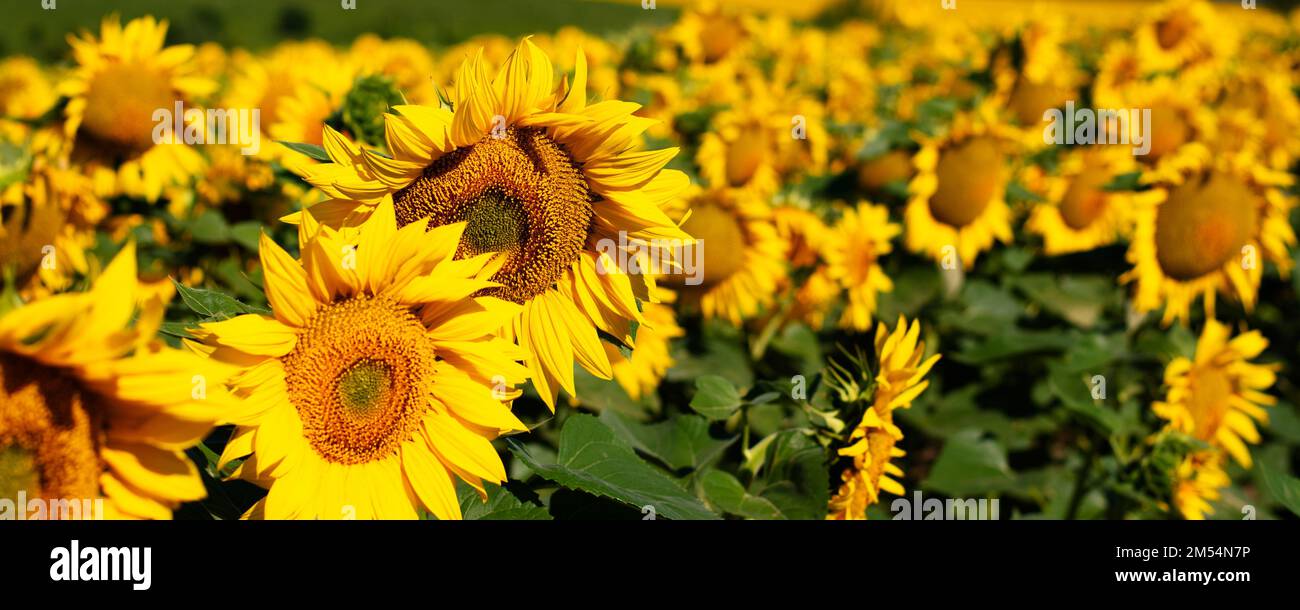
(1015, 343)
(1284, 488)
(1080, 300)
(210, 304)
(725, 492)
(970, 465)
(794, 475)
(501, 505)
(247, 234)
(210, 228)
(715, 398)
(593, 459)
(1124, 182)
(682, 442)
(176, 329)
(311, 150)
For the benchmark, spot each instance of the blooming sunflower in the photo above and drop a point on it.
(743, 255)
(376, 381)
(957, 204)
(640, 373)
(1208, 230)
(25, 91)
(1197, 481)
(543, 179)
(902, 367)
(1218, 395)
(46, 228)
(769, 138)
(1077, 213)
(121, 78)
(1181, 32)
(92, 406)
(1037, 76)
(859, 239)
(296, 87)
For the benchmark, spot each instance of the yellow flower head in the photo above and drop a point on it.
(122, 77)
(858, 241)
(957, 202)
(377, 379)
(900, 378)
(544, 181)
(1218, 395)
(1078, 214)
(1205, 230)
(92, 406)
(743, 255)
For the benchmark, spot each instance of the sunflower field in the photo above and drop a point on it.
(651, 260)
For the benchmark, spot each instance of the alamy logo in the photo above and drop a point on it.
(241, 126)
(934, 509)
(1100, 126)
(123, 563)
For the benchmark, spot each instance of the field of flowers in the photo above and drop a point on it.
(840, 260)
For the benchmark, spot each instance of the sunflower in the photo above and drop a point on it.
(1256, 114)
(25, 90)
(122, 77)
(546, 183)
(296, 87)
(806, 237)
(406, 61)
(640, 373)
(1208, 230)
(899, 379)
(768, 139)
(1197, 481)
(858, 241)
(376, 381)
(743, 255)
(48, 222)
(957, 205)
(1178, 33)
(92, 406)
(1218, 394)
(709, 34)
(1078, 214)
(1035, 75)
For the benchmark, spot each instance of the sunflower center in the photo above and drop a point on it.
(50, 433)
(1030, 99)
(359, 377)
(364, 389)
(1171, 30)
(892, 166)
(719, 36)
(723, 240)
(18, 471)
(1085, 200)
(1203, 224)
(1169, 130)
(746, 154)
(30, 228)
(120, 102)
(497, 223)
(1211, 389)
(521, 194)
(969, 175)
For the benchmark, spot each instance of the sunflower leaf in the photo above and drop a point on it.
(1285, 489)
(314, 151)
(500, 505)
(595, 460)
(715, 398)
(213, 305)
